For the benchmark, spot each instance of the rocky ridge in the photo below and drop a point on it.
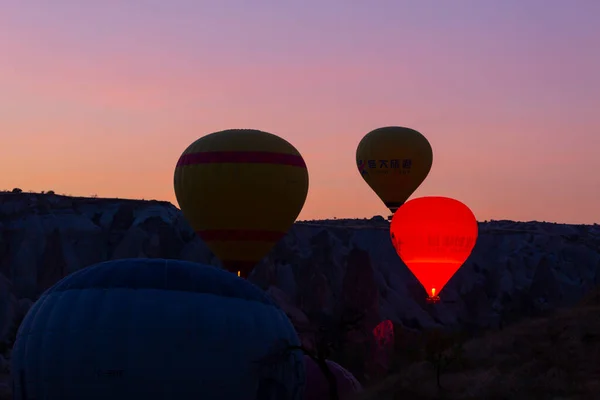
(319, 270)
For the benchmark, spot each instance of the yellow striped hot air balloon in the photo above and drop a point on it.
(241, 190)
(394, 161)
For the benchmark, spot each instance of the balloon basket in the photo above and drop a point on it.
(433, 300)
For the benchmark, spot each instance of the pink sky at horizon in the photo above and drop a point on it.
(103, 99)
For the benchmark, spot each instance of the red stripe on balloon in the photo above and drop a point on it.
(240, 235)
(250, 157)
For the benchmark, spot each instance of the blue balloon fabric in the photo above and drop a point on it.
(156, 329)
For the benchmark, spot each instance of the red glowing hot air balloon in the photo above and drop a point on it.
(434, 236)
(384, 333)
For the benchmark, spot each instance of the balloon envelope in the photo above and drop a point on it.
(433, 236)
(241, 190)
(384, 333)
(155, 329)
(317, 385)
(394, 161)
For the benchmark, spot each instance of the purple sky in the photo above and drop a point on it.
(103, 98)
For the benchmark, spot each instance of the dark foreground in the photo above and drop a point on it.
(556, 357)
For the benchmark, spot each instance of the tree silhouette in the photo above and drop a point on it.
(443, 349)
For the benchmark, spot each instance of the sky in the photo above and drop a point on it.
(100, 98)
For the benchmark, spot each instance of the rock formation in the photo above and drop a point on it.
(321, 269)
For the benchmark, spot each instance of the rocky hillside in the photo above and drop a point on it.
(321, 268)
(554, 357)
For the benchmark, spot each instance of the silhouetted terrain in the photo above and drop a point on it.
(319, 272)
(554, 357)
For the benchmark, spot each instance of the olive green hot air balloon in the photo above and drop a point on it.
(394, 161)
(241, 190)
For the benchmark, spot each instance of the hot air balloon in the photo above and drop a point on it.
(241, 190)
(317, 385)
(433, 236)
(394, 161)
(381, 355)
(384, 334)
(156, 329)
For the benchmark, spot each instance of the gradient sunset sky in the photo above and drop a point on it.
(101, 97)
